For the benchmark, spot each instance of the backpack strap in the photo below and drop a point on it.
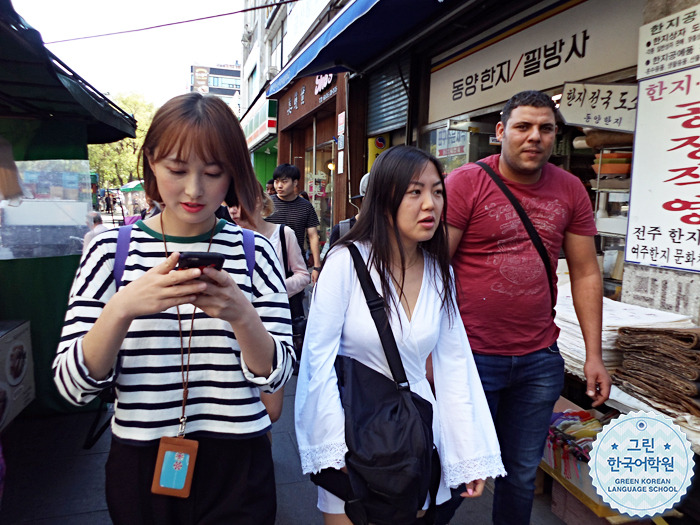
(123, 239)
(249, 250)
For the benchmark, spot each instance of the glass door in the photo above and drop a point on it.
(319, 186)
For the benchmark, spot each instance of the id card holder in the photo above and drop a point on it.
(174, 467)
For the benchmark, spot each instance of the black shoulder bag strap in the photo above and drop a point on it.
(376, 308)
(532, 232)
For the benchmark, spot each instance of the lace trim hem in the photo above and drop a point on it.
(477, 468)
(315, 459)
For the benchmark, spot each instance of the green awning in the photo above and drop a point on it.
(37, 87)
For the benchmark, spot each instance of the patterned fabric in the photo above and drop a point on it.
(223, 393)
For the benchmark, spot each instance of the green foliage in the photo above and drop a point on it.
(117, 162)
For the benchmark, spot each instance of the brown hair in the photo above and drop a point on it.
(205, 126)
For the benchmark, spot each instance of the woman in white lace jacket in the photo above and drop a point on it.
(401, 234)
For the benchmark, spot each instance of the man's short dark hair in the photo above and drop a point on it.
(271, 181)
(532, 98)
(286, 171)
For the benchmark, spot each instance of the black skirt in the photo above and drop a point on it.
(233, 483)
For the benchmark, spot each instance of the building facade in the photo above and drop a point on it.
(224, 81)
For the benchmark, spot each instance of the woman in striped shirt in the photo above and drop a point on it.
(185, 351)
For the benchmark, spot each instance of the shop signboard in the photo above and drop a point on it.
(451, 142)
(603, 106)
(537, 51)
(669, 44)
(260, 123)
(664, 216)
(201, 79)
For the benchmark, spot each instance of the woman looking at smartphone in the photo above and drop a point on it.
(401, 235)
(186, 351)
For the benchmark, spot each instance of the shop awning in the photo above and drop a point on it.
(134, 185)
(358, 36)
(36, 85)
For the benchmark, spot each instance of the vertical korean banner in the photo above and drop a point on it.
(664, 220)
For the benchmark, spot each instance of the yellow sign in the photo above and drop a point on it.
(375, 146)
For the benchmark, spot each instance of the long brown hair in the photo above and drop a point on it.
(205, 126)
(389, 180)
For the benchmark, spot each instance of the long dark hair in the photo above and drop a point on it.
(389, 179)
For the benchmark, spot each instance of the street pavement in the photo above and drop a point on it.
(52, 480)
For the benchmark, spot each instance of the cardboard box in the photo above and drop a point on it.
(17, 387)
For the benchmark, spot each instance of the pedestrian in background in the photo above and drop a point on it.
(296, 212)
(504, 288)
(94, 223)
(344, 226)
(403, 240)
(188, 351)
(296, 274)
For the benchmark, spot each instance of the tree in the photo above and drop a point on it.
(117, 162)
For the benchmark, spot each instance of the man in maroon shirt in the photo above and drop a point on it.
(503, 288)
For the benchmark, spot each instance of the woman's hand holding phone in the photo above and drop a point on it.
(160, 288)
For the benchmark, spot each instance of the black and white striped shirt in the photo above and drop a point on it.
(223, 394)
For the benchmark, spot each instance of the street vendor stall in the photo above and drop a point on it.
(48, 115)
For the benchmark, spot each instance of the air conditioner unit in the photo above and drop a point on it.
(271, 72)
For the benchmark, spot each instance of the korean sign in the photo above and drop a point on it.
(451, 142)
(573, 43)
(641, 464)
(669, 44)
(605, 106)
(664, 220)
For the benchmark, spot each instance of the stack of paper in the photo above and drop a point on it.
(615, 315)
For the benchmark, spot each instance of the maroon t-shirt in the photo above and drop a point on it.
(502, 285)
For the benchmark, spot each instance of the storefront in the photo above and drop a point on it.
(260, 127)
(564, 51)
(48, 116)
(312, 137)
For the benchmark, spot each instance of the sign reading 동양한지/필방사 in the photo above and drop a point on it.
(664, 214)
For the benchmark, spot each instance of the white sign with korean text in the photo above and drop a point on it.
(604, 106)
(451, 142)
(669, 44)
(664, 214)
(574, 44)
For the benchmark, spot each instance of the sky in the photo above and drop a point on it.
(154, 63)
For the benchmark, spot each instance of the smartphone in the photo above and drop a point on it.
(200, 260)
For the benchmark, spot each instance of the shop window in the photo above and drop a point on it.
(319, 186)
(455, 148)
(49, 219)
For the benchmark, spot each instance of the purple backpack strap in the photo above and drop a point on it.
(123, 239)
(249, 250)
